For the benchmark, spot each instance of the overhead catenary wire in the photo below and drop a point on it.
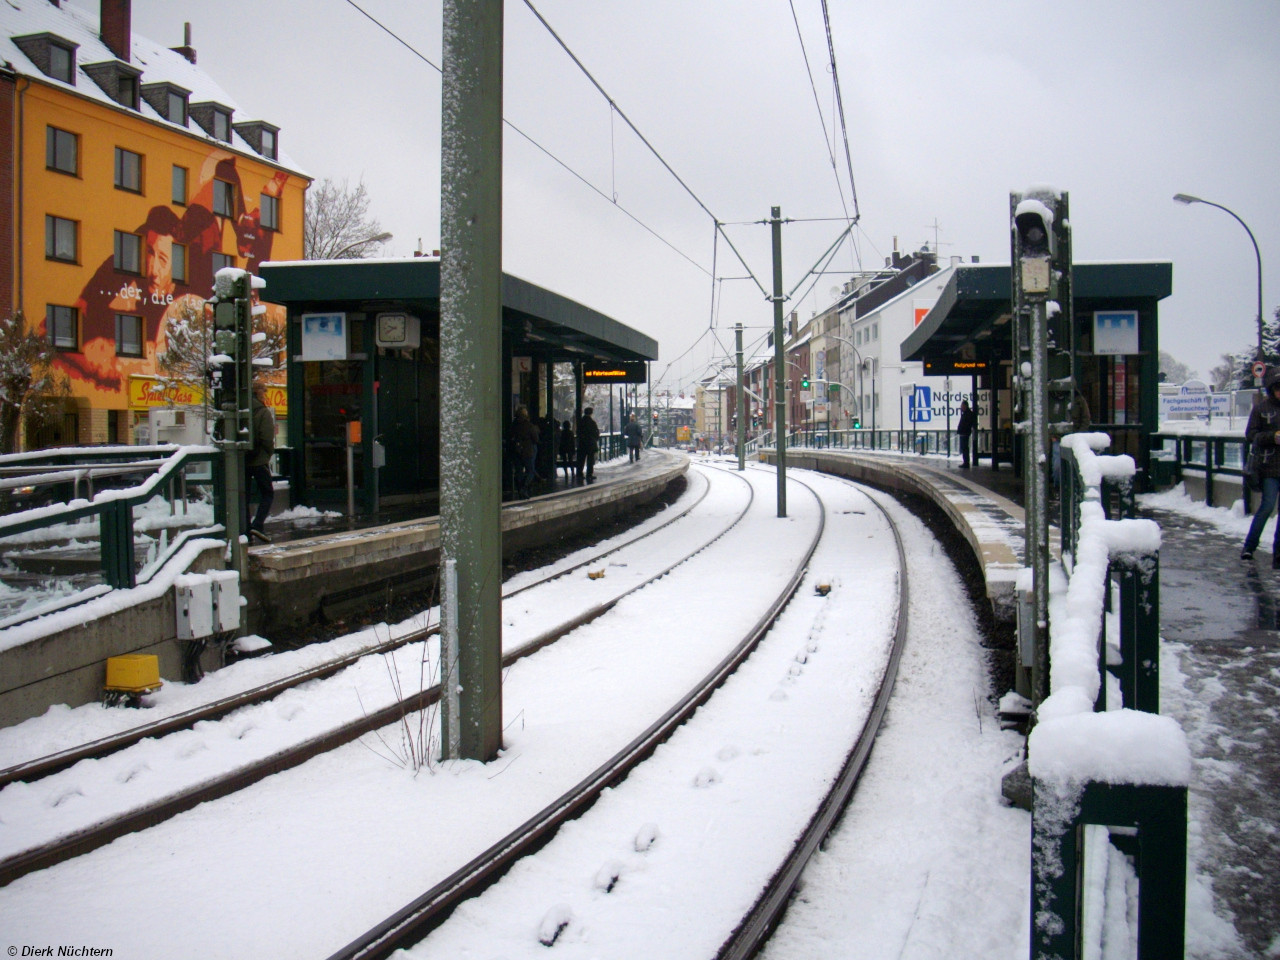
(613, 200)
(844, 128)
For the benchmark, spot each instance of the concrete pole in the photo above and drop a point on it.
(779, 363)
(471, 375)
(742, 401)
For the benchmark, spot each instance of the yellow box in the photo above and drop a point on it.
(133, 673)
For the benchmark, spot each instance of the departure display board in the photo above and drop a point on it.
(629, 371)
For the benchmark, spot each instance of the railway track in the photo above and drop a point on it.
(413, 922)
(99, 834)
(35, 769)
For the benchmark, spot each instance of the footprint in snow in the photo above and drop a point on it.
(645, 837)
(125, 776)
(63, 797)
(706, 777)
(795, 670)
(778, 695)
(727, 753)
(554, 924)
(607, 876)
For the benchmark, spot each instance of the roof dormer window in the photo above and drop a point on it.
(53, 55)
(213, 118)
(169, 100)
(263, 137)
(118, 80)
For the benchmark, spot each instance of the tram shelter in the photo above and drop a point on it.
(364, 370)
(1116, 356)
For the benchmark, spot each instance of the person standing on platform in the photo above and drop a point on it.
(965, 430)
(568, 450)
(524, 437)
(1263, 434)
(588, 441)
(257, 471)
(634, 437)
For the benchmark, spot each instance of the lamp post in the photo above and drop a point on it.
(1188, 199)
(376, 238)
(862, 366)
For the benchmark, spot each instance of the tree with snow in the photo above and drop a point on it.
(1234, 371)
(1173, 370)
(31, 389)
(337, 224)
(189, 339)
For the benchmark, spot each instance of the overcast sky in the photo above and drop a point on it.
(949, 107)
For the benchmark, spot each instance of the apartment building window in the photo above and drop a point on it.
(127, 91)
(61, 63)
(177, 108)
(269, 144)
(270, 212)
(222, 126)
(128, 252)
(875, 331)
(178, 263)
(221, 260)
(60, 239)
(128, 170)
(128, 335)
(224, 195)
(61, 151)
(60, 324)
(180, 186)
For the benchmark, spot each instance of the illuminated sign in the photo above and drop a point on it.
(147, 392)
(629, 371)
(947, 368)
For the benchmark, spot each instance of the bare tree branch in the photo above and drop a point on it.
(30, 387)
(337, 220)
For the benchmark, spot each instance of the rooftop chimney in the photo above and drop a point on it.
(187, 50)
(115, 27)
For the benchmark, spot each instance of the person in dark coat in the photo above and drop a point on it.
(1263, 434)
(257, 471)
(634, 437)
(965, 430)
(568, 450)
(588, 441)
(524, 437)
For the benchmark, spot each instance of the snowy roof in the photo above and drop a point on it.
(158, 65)
(915, 290)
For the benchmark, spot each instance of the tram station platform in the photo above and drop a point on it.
(289, 582)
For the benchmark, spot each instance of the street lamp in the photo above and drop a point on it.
(864, 366)
(376, 238)
(1188, 199)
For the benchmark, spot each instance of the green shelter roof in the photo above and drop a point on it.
(540, 314)
(977, 300)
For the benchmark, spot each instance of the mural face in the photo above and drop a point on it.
(188, 243)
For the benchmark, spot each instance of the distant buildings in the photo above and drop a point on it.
(127, 178)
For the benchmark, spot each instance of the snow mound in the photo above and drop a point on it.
(1118, 746)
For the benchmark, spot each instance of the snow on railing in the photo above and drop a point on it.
(1085, 751)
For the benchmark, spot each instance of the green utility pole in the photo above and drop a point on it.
(742, 402)
(779, 363)
(232, 382)
(471, 372)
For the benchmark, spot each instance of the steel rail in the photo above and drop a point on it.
(414, 921)
(31, 770)
(763, 918)
(90, 838)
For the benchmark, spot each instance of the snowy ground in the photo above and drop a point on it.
(1230, 521)
(302, 862)
(927, 861)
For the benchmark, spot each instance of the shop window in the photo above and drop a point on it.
(61, 325)
(128, 335)
(60, 239)
(62, 151)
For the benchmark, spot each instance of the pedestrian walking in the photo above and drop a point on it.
(1263, 434)
(588, 441)
(965, 430)
(568, 450)
(524, 438)
(634, 437)
(257, 471)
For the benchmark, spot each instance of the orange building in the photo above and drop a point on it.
(127, 178)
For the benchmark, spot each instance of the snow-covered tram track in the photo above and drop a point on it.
(184, 719)
(529, 637)
(434, 908)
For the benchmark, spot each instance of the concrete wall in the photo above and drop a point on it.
(70, 667)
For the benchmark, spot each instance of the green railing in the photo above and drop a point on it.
(171, 477)
(1207, 455)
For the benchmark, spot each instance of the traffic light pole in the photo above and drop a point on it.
(779, 363)
(471, 373)
(742, 401)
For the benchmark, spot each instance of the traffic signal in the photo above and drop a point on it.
(804, 382)
(1036, 244)
(857, 423)
(655, 416)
